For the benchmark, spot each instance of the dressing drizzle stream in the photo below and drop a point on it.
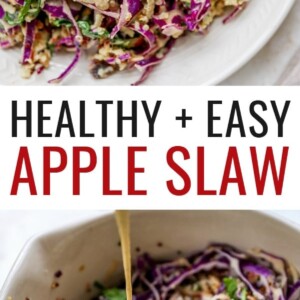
(123, 223)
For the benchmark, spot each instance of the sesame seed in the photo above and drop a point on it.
(58, 274)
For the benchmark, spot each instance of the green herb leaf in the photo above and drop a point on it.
(244, 294)
(84, 26)
(37, 9)
(231, 286)
(126, 43)
(61, 22)
(86, 30)
(15, 20)
(9, 18)
(114, 294)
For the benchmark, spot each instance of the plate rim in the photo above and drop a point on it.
(264, 38)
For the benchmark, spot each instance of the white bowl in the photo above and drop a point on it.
(94, 245)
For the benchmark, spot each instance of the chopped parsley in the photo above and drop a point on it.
(84, 26)
(61, 22)
(15, 19)
(231, 287)
(126, 43)
(110, 294)
(114, 294)
(86, 30)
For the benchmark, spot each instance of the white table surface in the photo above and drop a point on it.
(270, 63)
(16, 227)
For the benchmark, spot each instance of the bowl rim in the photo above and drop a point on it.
(106, 215)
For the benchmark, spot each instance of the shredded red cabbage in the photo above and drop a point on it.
(77, 42)
(55, 10)
(129, 8)
(218, 272)
(198, 10)
(28, 41)
(2, 12)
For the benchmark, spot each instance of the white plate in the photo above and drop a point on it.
(195, 60)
